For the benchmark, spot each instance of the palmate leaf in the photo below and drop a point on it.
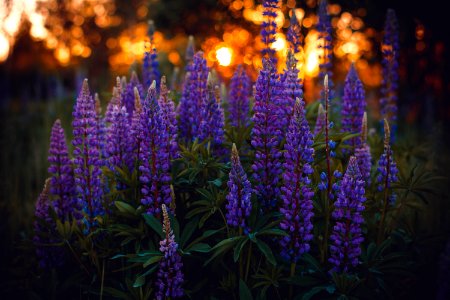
(222, 247)
(265, 249)
(154, 223)
(244, 291)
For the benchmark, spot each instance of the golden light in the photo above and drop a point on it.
(4, 47)
(224, 55)
(280, 42)
(312, 54)
(63, 55)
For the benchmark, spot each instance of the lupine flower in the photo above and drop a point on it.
(101, 126)
(128, 95)
(87, 161)
(239, 102)
(362, 153)
(212, 118)
(265, 138)
(119, 147)
(190, 50)
(268, 29)
(170, 118)
(48, 256)
(389, 85)
(325, 35)
(174, 82)
(297, 208)
(294, 35)
(150, 68)
(353, 105)
(292, 88)
(135, 127)
(170, 278)
(62, 185)
(154, 157)
(194, 93)
(116, 100)
(387, 168)
(239, 205)
(320, 121)
(347, 237)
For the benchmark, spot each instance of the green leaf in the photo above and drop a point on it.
(272, 231)
(140, 281)
(265, 249)
(238, 248)
(125, 207)
(154, 223)
(222, 247)
(187, 232)
(152, 260)
(200, 247)
(244, 291)
(314, 291)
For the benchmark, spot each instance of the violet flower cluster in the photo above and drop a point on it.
(212, 117)
(268, 29)
(170, 118)
(169, 277)
(294, 34)
(390, 49)
(353, 105)
(346, 237)
(320, 121)
(362, 153)
(193, 96)
(87, 161)
(62, 187)
(239, 102)
(387, 168)
(154, 155)
(325, 35)
(297, 207)
(292, 89)
(150, 67)
(128, 95)
(239, 205)
(265, 138)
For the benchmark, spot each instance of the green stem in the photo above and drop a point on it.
(247, 268)
(386, 202)
(226, 223)
(103, 279)
(78, 259)
(291, 287)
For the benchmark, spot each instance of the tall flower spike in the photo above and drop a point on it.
(353, 105)
(387, 168)
(320, 121)
(48, 256)
(239, 205)
(154, 157)
(292, 88)
(362, 152)
(87, 161)
(239, 102)
(135, 127)
(170, 118)
(294, 34)
(190, 50)
(389, 85)
(116, 100)
(101, 126)
(119, 147)
(174, 81)
(170, 278)
(266, 137)
(347, 237)
(62, 185)
(128, 95)
(297, 207)
(212, 118)
(269, 29)
(150, 68)
(325, 36)
(193, 97)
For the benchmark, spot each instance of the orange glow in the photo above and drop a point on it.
(63, 55)
(224, 55)
(280, 42)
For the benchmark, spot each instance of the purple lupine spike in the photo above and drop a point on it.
(170, 118)
(387, 168)
(265, 138)
(150, 68)
(87, 161)
(174, 80)
(391, 53)
(62, 185)
(347, 237)
(239, 98)
(154, 155)
(269, 29)
(294, 35)
(320, 121)
(194, 94)
(48, 256)
(297, 207)
(119, 147)
(353, 105)
(325, 36)
(239, 205)
(116, 100)
(292, 88)
(362, 153)
(128, 94)
(170, 277)
(135, 127)
(212, 118)
(190, 50)
(101, 126)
